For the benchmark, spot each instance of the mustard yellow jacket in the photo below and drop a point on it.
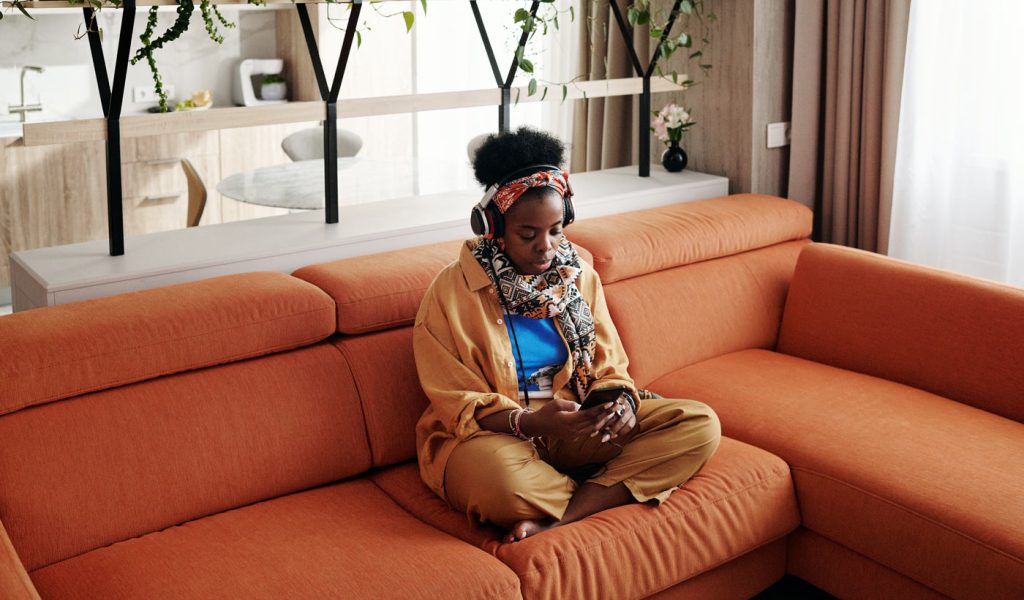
(466, 363)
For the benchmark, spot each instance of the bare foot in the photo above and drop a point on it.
(526, 528)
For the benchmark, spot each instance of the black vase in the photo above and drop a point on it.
(674, 159)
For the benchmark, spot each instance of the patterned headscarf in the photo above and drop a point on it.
(507, 194)
(552, 293)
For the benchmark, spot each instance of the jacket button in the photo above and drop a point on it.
(499, 321)
(511, 364)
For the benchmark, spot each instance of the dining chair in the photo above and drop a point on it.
(196, 193)
(308, 144)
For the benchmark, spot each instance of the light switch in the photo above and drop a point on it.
(778, 134)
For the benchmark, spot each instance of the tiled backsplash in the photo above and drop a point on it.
(67, 87)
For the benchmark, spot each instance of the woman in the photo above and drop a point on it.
(510, 339)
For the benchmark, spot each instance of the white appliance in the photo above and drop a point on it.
(242, 89)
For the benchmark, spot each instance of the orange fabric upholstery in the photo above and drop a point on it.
(385, 372)
(953, 335)
(741, 499)
(342, 541)
(742, 577)
(674, 318)
(66, 350)
(14, 580)
(83, 473)
(646, 241)
(922, 484)
(382, 291)
(846, 574)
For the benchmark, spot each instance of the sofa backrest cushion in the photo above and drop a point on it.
(384, 370)
(89, 471)
(673, 318)
(382, 291)
(646, 241)
(67, 350)
(950, 334)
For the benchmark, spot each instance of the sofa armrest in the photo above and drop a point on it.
(14, 580)
(956, 336)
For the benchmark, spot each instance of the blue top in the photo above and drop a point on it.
(543, 351)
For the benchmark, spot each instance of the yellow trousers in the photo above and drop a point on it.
(501, 479)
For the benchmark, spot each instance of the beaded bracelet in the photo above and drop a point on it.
(515, 422)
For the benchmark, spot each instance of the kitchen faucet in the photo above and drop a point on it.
(24, 109)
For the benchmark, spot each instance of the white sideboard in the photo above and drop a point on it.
(62, 274)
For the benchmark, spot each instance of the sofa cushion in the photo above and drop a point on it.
(343, 541)
(953, 335)
(384, 370)
(62, 351)
(93, 470)
(670, 319)
(646, 241)
(927, 486)
(741, 499)
(382, 290)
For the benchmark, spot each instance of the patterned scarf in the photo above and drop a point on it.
(553, 293)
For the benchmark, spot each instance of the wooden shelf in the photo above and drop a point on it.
(87, 130)
(46, 4)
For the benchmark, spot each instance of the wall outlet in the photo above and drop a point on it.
(146, 94)
(778, 134)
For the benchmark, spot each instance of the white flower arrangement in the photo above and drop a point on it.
(670, 123)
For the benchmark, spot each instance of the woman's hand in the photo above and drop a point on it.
(563, 419)
(616, 422)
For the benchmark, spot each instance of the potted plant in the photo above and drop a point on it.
(273, 87)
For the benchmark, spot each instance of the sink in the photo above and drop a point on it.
(10, 129)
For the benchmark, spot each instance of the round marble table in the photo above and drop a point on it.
(300, 185)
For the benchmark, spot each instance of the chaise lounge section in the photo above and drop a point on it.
(252, 435)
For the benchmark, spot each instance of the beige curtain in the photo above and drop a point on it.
(605, 129)
(847, 78)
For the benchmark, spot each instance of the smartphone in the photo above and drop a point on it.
(601, 396)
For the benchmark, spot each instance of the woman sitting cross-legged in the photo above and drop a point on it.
(510, 340)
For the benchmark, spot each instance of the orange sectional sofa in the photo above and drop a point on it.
(251, 436)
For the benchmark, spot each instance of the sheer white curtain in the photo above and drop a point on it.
(958, 197)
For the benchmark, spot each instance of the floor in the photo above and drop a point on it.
(790, 587)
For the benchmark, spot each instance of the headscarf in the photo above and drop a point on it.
(509, 193)
(552, 293)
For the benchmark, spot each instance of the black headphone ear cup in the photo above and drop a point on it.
(478, 221)
(568, 211)
(497, 221)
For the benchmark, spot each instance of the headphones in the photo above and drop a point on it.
(487, 220)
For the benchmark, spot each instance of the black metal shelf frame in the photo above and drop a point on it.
(112, 96)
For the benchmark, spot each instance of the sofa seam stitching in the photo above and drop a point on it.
(912, 512)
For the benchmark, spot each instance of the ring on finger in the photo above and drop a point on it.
(620, 410)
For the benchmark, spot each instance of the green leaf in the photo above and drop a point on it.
(522, 14)
(684, 40)
(655, 32)
(556, 21)
(526, 65)
(519, 54)
(696, 54)
(572, 13)
(675, 77)
(545, 94)
(22, 10)
(423, 3)
(565, 91)
(706, 67)
(359, 39)
(686, 6)
(531, 88)
(518, 90)
(632, 15)
(643, 18)
(409, 18)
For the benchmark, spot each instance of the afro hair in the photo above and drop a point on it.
(505, 153)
